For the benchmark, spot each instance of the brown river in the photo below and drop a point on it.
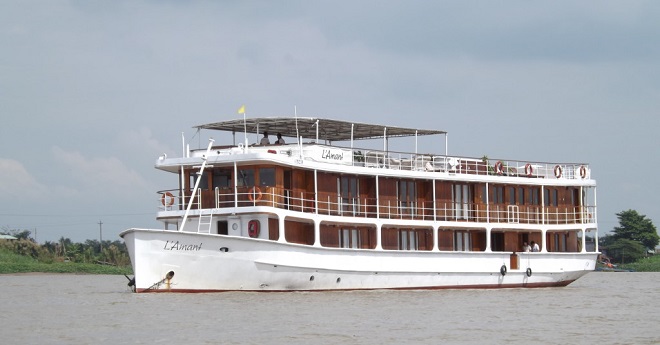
(600, 308)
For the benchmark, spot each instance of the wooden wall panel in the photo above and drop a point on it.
(389, 238)
(387, 199)
(425, 239)
(329, 236)
(367, 237)
(446, 240)
(478, 241)
(572, 242)
(297, 232)
(511, 242)
(273, 229)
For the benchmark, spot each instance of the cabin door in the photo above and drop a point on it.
(347, 188)
(461, 195)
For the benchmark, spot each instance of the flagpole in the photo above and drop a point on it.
(241, 110)
(245, 130)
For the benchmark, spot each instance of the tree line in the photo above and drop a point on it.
(64, 250)
(635, 238)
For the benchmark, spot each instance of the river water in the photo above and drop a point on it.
(600, 308)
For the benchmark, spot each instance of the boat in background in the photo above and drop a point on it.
(313, 215)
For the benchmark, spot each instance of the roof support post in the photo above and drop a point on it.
(352, 128)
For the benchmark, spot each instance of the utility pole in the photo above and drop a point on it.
(100, 237)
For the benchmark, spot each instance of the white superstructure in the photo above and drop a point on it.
(313, 215)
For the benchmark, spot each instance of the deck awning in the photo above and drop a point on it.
(331, 130)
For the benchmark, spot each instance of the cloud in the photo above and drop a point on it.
(17, 182)
(143, 138)
(106, 175)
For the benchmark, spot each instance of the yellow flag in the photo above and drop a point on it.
(241, 110)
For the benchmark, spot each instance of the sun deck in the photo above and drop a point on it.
(371, 158)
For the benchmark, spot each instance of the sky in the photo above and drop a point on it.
(92, 92)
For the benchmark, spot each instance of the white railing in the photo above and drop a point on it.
(333, 204)
(413, 161)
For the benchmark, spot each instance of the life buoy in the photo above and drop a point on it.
(557, 171)
(499, 168)
(254, 194)
(529, 272)
(583, 172)
(167, 199)
(503, 270)
(529, 170)
(254, 228)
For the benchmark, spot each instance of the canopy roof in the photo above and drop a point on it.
(331, 130)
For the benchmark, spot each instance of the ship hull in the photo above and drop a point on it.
(174, 261)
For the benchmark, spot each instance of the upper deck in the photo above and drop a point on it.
(346, 157)
(316, 145)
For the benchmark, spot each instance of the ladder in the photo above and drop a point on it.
(205, 221)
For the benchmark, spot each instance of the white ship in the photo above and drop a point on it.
(324, 213)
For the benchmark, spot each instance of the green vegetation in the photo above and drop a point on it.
(648, 264)
(636, 227)
(26, 256)
(15, 263)
(624, 250)
(631, 241)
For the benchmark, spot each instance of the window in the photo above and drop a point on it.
(408, 240)
(462, 241)
(550, 196)
(497, 195)
(534, 196)
(461, 196)
(407, 195)
(245, 177)
(222, 179)
(203, 183)
(521, 196)
(267, 177)
(347, 188)
(559, 240)
(349, 238)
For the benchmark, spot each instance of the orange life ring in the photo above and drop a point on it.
(583, 171)
(167, 199)
(254, 194)
(529, 170)
(557, 171)
(499, 168)
(253, 228)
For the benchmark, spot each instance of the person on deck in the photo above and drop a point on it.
(535, 247)
(526, 248)
(280, 140)
(265, 140)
